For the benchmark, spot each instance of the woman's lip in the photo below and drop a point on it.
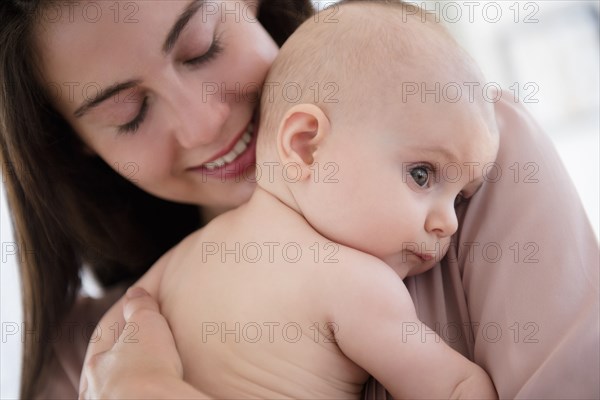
(226, 149)
(237, 167)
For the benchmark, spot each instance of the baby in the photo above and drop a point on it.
(304, 297)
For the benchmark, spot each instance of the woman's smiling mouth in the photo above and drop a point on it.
(239, 147)
(235, 159)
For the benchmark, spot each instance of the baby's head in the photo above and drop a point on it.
(371, 140)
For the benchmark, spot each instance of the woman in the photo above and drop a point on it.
(115, 228)
(179, 92)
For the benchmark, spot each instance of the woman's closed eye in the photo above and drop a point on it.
(133, 125)
(213, 51)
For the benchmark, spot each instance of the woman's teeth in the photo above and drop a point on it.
(238, 149)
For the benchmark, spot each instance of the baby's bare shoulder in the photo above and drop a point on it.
(190, 247)
(349, 265)
(177, 258)
(357, 275)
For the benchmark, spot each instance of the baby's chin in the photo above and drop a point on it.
(401, 269)
(407, 264)
(423, 267)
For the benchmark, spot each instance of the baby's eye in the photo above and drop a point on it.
(420, 176)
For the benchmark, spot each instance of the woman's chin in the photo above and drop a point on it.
(235, 200)
(233, 196)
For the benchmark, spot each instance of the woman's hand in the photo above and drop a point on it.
(142, 363)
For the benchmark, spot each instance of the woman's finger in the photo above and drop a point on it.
(143, 361)
(137, 299)
(146, 330)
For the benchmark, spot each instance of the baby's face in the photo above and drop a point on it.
(399, 173)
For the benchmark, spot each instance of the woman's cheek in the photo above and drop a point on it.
(255, 52)
(132, 165)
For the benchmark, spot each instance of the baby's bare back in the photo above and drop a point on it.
(248, 314)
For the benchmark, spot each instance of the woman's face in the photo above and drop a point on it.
(164, 91)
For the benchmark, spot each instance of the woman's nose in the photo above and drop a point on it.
(442, 220)
(200, 120)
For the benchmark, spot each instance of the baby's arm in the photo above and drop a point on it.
(377, 328)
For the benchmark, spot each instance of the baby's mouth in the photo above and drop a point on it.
(423, 256)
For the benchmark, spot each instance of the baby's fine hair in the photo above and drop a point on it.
(333, 59)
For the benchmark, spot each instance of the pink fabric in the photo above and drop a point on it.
(530, 316)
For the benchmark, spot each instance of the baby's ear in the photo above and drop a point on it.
(301, 133)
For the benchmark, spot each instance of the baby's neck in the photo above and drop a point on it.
(263, 202)
(268, 209)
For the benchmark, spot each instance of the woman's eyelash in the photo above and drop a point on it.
(132, 126)
(215, 49)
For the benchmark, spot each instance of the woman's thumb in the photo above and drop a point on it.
(150, 329)
(137, 299)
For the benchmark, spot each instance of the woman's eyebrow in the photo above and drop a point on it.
(180, 24)
(103, 95)
(172, 37)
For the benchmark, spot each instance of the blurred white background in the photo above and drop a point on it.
(545, 52)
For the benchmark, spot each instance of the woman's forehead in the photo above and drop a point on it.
(84, 47)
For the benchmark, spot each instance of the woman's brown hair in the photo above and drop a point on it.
(70, 208)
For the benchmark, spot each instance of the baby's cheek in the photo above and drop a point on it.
(444, 247)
